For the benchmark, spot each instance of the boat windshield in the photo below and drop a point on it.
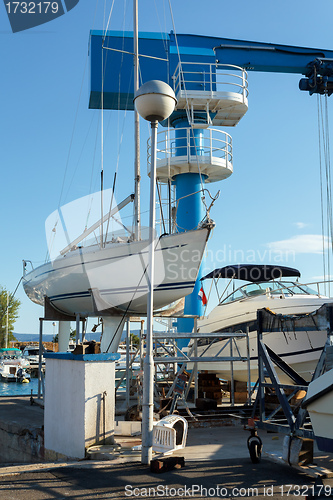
(286, 288)
(31, 352)
(10, 354)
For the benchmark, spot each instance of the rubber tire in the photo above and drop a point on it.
(133, 413)
(255, 450)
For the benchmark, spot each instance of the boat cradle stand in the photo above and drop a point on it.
(182, 360)
(298, 445)
(52, 314)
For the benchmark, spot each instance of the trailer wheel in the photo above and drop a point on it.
(254, 444)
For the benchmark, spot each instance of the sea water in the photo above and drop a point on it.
(19, 389)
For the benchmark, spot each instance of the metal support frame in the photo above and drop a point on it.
(41, 383)
(128, 366)
(77, 336)
(266, 358)
(182, 359)
(176, 357)
(124, 376)
(127, 375)
(41, 388)
(188, 358)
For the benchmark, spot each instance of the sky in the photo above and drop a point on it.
(269, 209)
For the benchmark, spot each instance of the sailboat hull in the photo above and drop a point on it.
(93, 281)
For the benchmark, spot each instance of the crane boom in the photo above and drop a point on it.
(159, 57)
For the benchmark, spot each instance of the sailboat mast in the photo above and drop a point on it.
(102, 155)
(137, 221)
(7, 322)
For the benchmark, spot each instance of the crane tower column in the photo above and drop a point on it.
(192, 153)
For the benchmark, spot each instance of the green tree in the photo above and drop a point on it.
(135, 339)
(13, 308)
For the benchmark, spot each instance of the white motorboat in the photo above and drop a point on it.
(318, 402)
(31, 354)
(13, 366)
(238, 310)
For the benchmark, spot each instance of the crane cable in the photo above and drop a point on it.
(325, 186)
(187, 106)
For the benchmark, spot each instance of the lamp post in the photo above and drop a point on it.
(154, 101)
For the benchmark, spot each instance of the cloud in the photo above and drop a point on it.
(300, 225)
(305, 243)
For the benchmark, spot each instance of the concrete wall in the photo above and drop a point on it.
(20, 444)
(79, 402)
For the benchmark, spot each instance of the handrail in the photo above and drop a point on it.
(25, 262)
(213, 144)
(181, 78)
(279, 290)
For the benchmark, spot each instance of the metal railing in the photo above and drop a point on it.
(213, 144)
(210, 77)
(288, 287)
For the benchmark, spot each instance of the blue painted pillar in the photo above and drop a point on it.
(190, 211)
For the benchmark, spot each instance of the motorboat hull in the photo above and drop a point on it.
(10, 377)
(300, 349)
(93, 281)
(13, 372)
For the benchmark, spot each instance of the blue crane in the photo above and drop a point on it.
(159, 57)
(193, 65)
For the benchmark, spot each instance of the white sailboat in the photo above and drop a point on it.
(108, 277)
(112, 280)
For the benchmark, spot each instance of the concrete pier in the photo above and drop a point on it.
(21, 431)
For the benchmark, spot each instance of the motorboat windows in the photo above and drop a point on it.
(236, 295)
(31, 352)
(284, 288)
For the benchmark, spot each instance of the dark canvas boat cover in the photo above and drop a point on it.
(253, 272)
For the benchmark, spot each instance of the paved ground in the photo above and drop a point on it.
(217, 465)
(19, 412)
(233, 478)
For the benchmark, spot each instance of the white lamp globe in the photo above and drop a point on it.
(155, 100)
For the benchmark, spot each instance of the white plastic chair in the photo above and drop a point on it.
(170, 434)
